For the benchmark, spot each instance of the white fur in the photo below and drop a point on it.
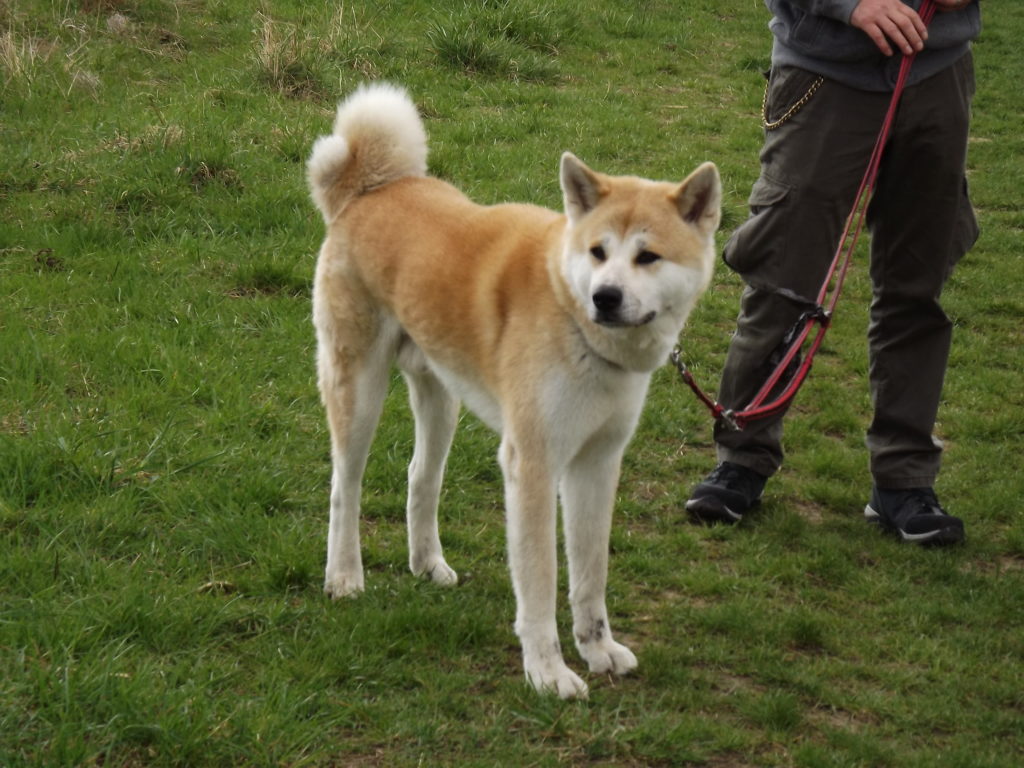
(382, 119)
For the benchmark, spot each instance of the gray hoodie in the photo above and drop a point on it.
(816, 35)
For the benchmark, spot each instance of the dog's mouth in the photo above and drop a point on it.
(614, 320)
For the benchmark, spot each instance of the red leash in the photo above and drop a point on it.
(821, 316)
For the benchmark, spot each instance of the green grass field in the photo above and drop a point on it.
(164, 461)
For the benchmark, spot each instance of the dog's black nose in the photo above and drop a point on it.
(607, 299)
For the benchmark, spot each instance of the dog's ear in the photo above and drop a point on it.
(699, 199)
(582, 189)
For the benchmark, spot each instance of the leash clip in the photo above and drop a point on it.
(730, 419)
(676, 358)
(820, 315)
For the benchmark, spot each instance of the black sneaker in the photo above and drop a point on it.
(726, 494)
(914, 514)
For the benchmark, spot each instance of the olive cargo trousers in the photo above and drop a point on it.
(921, 223)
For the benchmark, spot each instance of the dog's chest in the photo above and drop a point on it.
(570, 404)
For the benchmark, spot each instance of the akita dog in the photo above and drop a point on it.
(547, 326)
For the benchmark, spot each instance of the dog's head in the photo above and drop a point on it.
(638, 254)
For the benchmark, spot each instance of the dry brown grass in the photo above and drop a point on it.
(287, 60)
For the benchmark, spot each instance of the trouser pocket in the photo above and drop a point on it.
(767, 250)
(787, 92)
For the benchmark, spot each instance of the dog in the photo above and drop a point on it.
(547, 325)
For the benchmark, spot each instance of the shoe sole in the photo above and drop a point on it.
(952, 534)
(711, 510)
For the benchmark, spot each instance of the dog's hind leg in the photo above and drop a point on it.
(353, 395)
(436, 412)
(588, 496)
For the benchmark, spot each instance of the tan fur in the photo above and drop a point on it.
(508, 309)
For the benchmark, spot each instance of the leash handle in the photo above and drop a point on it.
(826, 300)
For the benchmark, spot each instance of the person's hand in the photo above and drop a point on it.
(944, 6)
(890, 22)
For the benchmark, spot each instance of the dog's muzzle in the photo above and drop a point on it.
(608, 302)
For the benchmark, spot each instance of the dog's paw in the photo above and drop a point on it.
(340, 585)
(555, 677)
(608, 656)
(442, 574)
(437, 570)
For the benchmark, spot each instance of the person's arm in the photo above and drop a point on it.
(891, 23)
(887, 22)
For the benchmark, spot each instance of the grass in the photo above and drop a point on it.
(164, 462)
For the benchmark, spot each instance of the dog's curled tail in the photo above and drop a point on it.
(378, 137)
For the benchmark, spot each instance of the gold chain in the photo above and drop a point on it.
(771, 125)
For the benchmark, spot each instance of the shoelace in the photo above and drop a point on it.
(734, 477)
(918, 501)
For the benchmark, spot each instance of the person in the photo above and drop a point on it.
(834, 67)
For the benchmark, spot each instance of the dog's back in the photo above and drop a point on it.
(437, 262)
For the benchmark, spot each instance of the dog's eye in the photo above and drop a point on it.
(598, 253)
(647, 257)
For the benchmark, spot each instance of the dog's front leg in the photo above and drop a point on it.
(588, 497)
(532, 548)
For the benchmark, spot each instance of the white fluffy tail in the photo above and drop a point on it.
(378, 137)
